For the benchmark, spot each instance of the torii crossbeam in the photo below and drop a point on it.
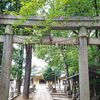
(59, 23)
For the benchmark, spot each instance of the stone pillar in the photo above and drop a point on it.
(6, 63)
(83, 65)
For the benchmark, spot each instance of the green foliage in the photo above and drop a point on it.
(30, 7)
(17, 69)
(54, 57)
(74, 8)
(14, 70)
(42, 51)
(51, 54)
(49, 74)
(8, 6)
(94, 55)
(80, 8)
(72, 59)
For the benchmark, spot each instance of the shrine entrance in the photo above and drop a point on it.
(80, 24)
(42, 81)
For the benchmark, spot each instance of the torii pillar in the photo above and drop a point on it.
(83, 65)
(6, 63)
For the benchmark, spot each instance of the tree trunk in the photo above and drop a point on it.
(19, 75)
(18, 86)
(28, 48)
(66, 66)
(1, 50)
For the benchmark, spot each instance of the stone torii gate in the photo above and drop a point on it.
(75, 23)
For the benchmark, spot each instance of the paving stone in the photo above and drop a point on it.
(42, 93)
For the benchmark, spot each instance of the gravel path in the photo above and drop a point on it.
(42, 93)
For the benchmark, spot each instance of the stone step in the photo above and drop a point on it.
(56, 98)
(58, 94)
(62, 96)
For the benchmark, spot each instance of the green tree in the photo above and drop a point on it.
(52, 75)
(49, 74)
(17, 69)
(28, 48)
